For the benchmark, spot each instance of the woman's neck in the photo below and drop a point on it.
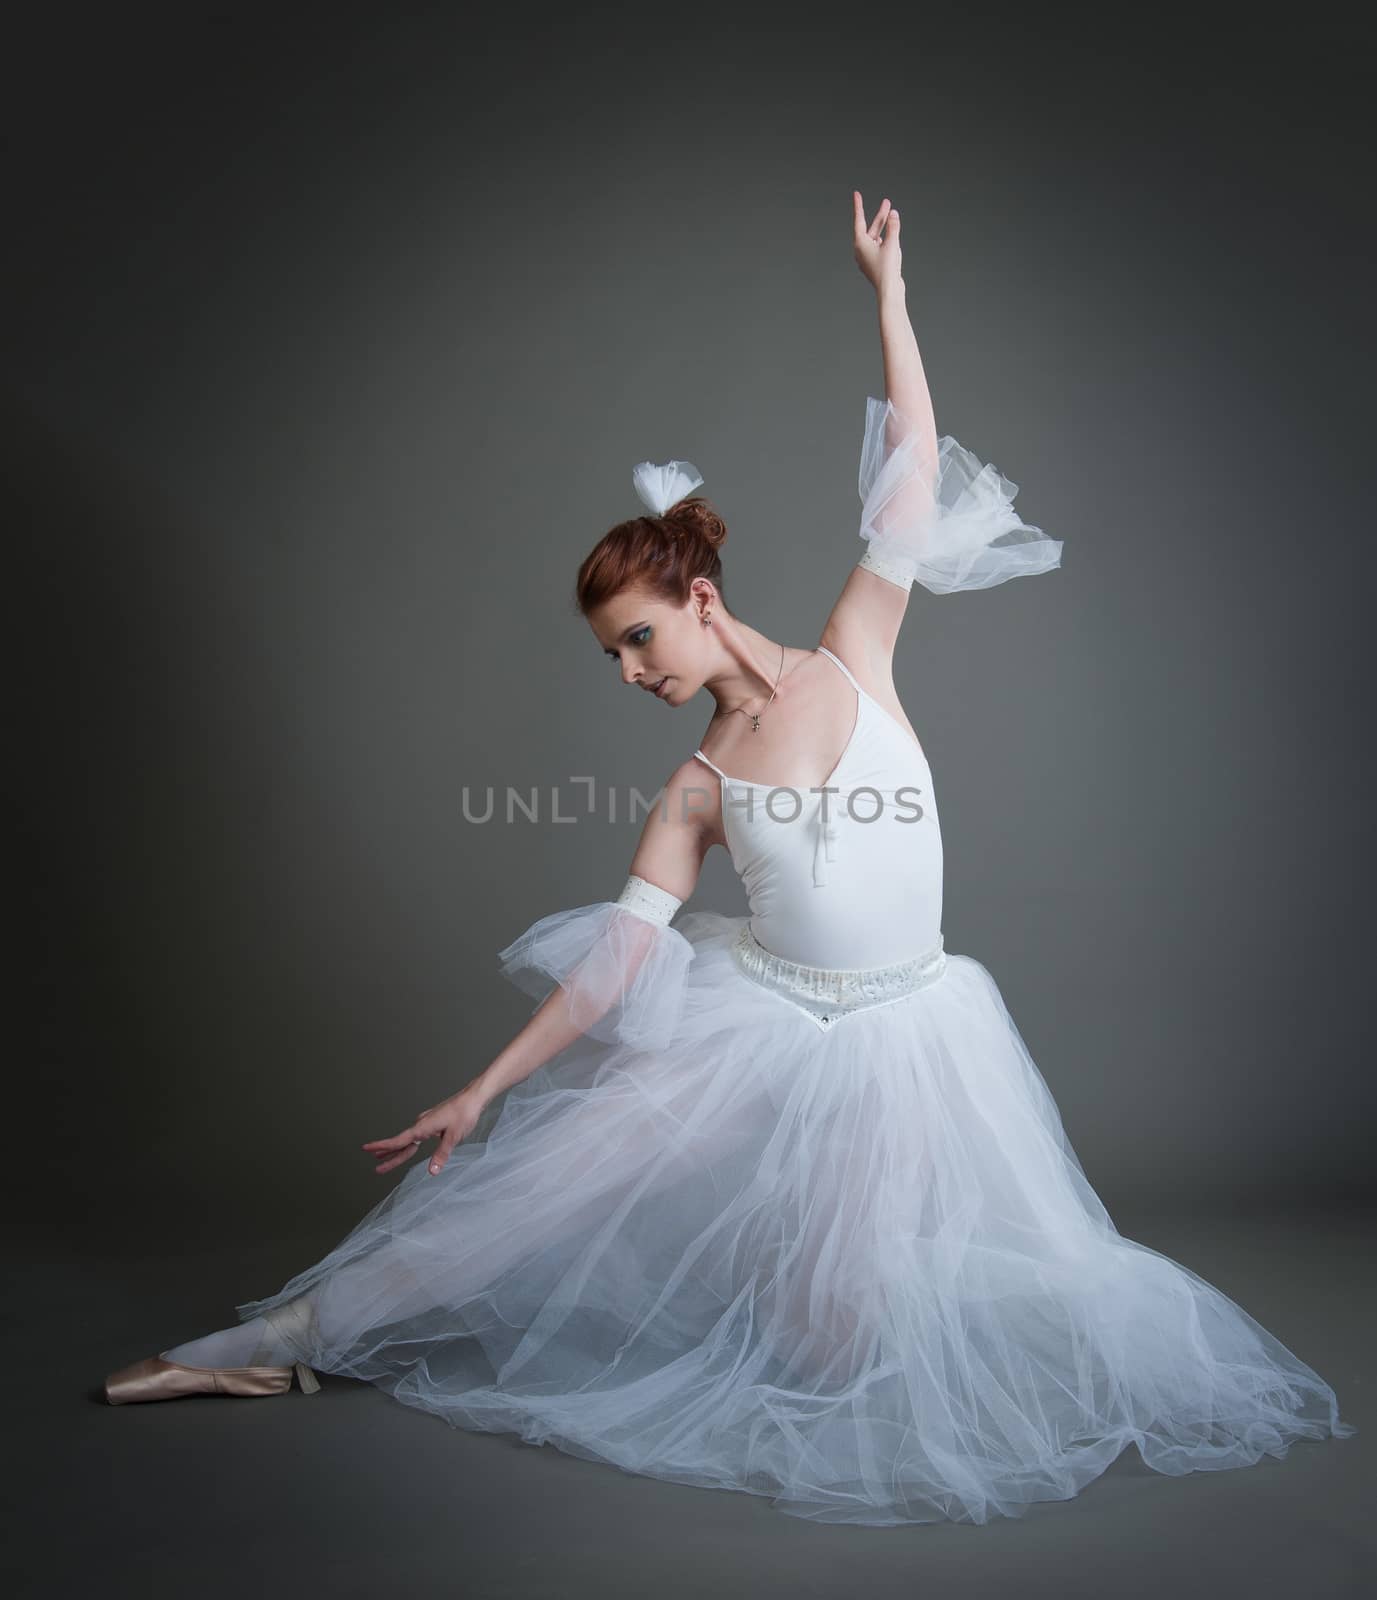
(756, 672)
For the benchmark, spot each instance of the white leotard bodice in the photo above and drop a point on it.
(826, 885)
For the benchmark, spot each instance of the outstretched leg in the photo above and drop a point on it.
(439, 1256)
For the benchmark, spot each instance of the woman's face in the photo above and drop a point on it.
(654, 643)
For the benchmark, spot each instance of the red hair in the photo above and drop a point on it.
(660, 554)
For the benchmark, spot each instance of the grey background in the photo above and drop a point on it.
(330, 345)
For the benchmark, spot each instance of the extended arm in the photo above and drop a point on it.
(617, 965)
(614, 969)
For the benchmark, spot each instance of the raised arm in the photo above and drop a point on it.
(931, 511)
(906, 386)
(867, 616)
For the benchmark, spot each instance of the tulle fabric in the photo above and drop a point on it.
(859, 1272)
(624, 976)
(950, 523)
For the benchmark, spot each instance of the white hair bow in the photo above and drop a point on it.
(663, 486)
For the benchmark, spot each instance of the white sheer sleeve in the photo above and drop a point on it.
(623, 969)
(948, 524)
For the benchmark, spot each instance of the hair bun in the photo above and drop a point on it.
(695, 515)
(664, 551)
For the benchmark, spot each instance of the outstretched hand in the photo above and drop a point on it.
(452, 1120)
(877, 246)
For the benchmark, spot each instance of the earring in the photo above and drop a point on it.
(707, 622)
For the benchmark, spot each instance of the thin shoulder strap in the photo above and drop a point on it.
(715, 768)
(823, 650)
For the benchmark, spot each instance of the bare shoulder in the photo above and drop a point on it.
(678, 831)
(690, 795)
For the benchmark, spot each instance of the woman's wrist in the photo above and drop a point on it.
(891, 293)
(477, 1090)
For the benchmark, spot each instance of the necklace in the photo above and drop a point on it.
(755, 716)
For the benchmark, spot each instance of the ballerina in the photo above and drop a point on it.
(778, 1202)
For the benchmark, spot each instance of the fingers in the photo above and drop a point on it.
(871, 234)
(385, 1163)
(873, 231)
(858, 213)
(397, 1141)
(389, 1153)
(858, 210)
(408, 1136)
(392, 1152)
(442, 1150)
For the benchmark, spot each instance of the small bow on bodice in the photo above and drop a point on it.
(828, 832)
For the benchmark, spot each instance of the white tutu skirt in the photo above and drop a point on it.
(857, 1270)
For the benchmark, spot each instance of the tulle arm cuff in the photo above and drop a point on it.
(623, 969)
(948, 524)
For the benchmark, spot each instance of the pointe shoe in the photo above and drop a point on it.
(154, 1378)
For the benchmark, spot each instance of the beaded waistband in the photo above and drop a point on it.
(826, 994)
